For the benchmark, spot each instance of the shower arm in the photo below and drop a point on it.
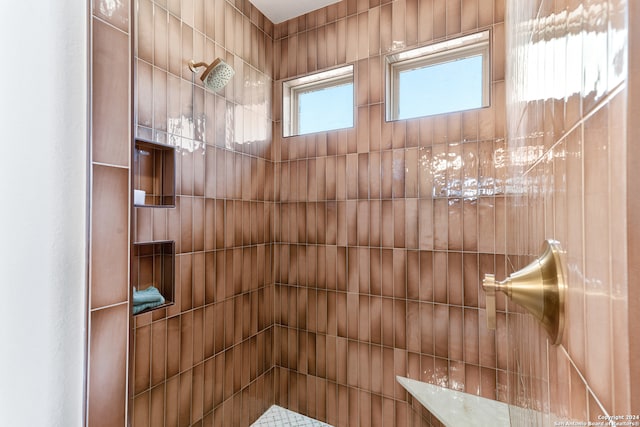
(193, 66)
(539, 287)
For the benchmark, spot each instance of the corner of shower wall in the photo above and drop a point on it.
(633, 205)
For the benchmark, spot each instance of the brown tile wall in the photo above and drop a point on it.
(572, 181)
(329, 263)
(107, 402)
(207, 359)
(382, 230)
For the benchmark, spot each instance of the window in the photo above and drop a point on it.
(439, 78)
(318, 102)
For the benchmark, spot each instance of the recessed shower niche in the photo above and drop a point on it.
(153, 265)
(154, 174)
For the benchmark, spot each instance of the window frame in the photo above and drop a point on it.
(438, 53)
(292, 89)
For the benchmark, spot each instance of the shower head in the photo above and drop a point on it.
(217, 74)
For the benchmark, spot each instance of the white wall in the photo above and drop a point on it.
(43, 138)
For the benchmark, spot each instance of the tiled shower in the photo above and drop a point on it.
(311, 270)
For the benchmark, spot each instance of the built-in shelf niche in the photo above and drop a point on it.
(154, 168)
(154, 265)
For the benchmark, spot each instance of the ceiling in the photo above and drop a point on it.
(281, 10)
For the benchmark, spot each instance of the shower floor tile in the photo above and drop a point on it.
(277, 416)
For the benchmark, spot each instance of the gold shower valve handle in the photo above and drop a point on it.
(539, 287)
(489, 286)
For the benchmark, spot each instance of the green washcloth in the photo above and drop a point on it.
(146, 299)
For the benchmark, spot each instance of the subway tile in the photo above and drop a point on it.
(145, 24)
(439, 268)
(145, 94)
(488, 383)
(399, 134)
(487, 342)
(110, 130)
(140, 409)
(399, 227)
(456, 333)
(471, 343)
(156, 416)
(453, 14)
(440, 330)
(470, 225)
(376, 282)
(469, 15)
(579, 406)
(485, 12)
(425, 225)
(454, 278)
(412, 327)
(175, 46)
(425, 20)
(398, 24)
(142, 359)
(413, 275)
(109, 236)
(455, 227)
(158, 352)
(108, 373)
(470, 279)
(116, 14)
(440, 223)
(376, 317)
(456, 375)
(426, 276)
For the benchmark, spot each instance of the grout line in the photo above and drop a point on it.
(102, 20)
(109, 306)
(108, 165)
(548, 376)
(586, 384)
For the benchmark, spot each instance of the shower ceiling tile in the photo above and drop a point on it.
(282, 10)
